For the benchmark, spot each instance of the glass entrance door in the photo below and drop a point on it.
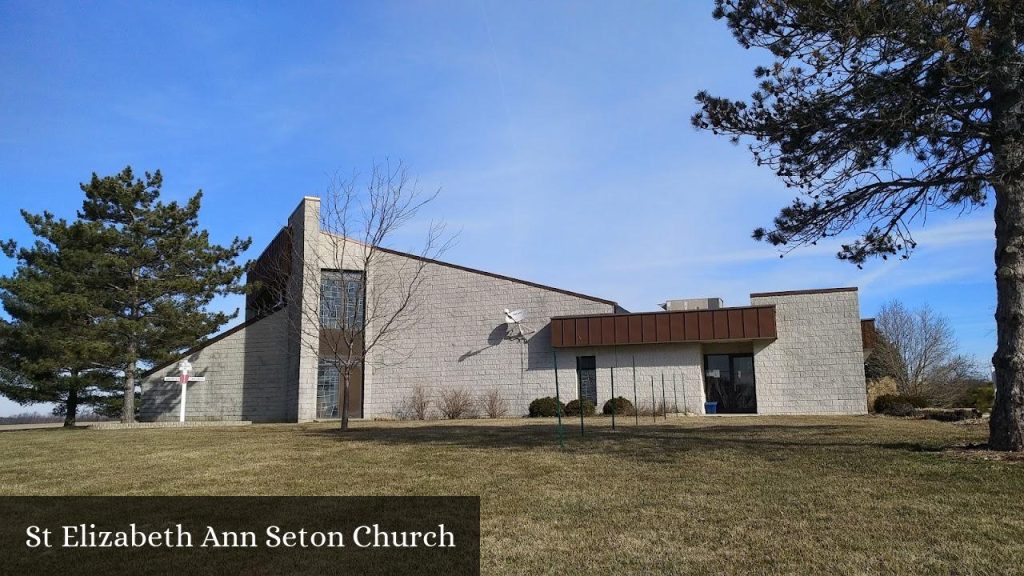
(729, 381)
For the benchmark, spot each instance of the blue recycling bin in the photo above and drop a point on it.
(711, 407)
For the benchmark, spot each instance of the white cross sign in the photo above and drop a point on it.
(185, 368)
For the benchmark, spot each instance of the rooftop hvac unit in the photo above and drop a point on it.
(692, 304)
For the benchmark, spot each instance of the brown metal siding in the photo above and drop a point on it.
(766, 322)
(721, 331)
(635, 330)
(736, 324)
(607, 331)
(662, 331)
(707, 325)
(692, 325)
(582, 332)
(750, 322)
(649, 328)
(677, 326)
(621, 329)
(740, 323)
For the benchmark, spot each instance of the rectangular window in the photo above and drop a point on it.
(341, 300)
(586, 374)
(328, 382)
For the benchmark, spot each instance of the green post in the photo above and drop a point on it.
(615, 404)
(654, 403)
(675, 398)
(579, 393)
(558, 401)
(636, 405)
(684, 395)
(664, 402)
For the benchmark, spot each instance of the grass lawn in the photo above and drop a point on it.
(764, 495)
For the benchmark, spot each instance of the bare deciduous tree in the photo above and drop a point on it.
(367, 292)
(920, 352)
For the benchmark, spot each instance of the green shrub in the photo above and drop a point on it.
(547, 406)
(573, 408)
(619, 405)
(981, 398)
(898, 405)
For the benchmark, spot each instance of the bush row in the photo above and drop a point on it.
(548, 406)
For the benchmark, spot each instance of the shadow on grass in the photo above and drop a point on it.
(645, 442)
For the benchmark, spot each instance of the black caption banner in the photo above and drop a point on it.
(240, 535)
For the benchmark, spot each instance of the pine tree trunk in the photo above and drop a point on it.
(128, 409)
(347, 378)
(1006, 428)
(71, 408)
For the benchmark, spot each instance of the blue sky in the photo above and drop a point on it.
(558, 134)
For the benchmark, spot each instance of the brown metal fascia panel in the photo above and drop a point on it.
(691, 323)
(607, 331)
(621, 329)
(735, 324)
(706, 325)
(556, 333)
(721, 329)
(595, 331)
(635, 330)
(582, 332)
(766, 322)
(569, 332)
(662, 330)
(750, 323)
(649, 328)
(677, 328)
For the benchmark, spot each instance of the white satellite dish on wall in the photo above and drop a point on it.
(514, 325)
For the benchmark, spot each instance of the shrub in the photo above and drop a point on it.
(948, 414)
(416, 406)
(456, 403)
(981, 398)
(573, 408)
(898, 405)
(619, 405)
(493, 404)
(547, 406)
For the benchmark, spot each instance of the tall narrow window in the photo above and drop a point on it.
(341, 299)
(327, 384)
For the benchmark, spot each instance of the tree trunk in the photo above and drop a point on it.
(71, 408)
(346, 374)
(128, 409)
(1006, 428)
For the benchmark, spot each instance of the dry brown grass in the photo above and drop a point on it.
(729, 495)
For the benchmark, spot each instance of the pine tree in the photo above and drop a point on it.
(52, 342)
(157, 272)
(880, 113)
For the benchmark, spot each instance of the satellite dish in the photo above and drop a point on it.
(513, 324)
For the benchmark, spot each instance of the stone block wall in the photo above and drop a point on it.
(456, 339)
(247, 378)
(816, 366)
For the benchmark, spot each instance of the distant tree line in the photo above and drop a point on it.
(93, 301)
